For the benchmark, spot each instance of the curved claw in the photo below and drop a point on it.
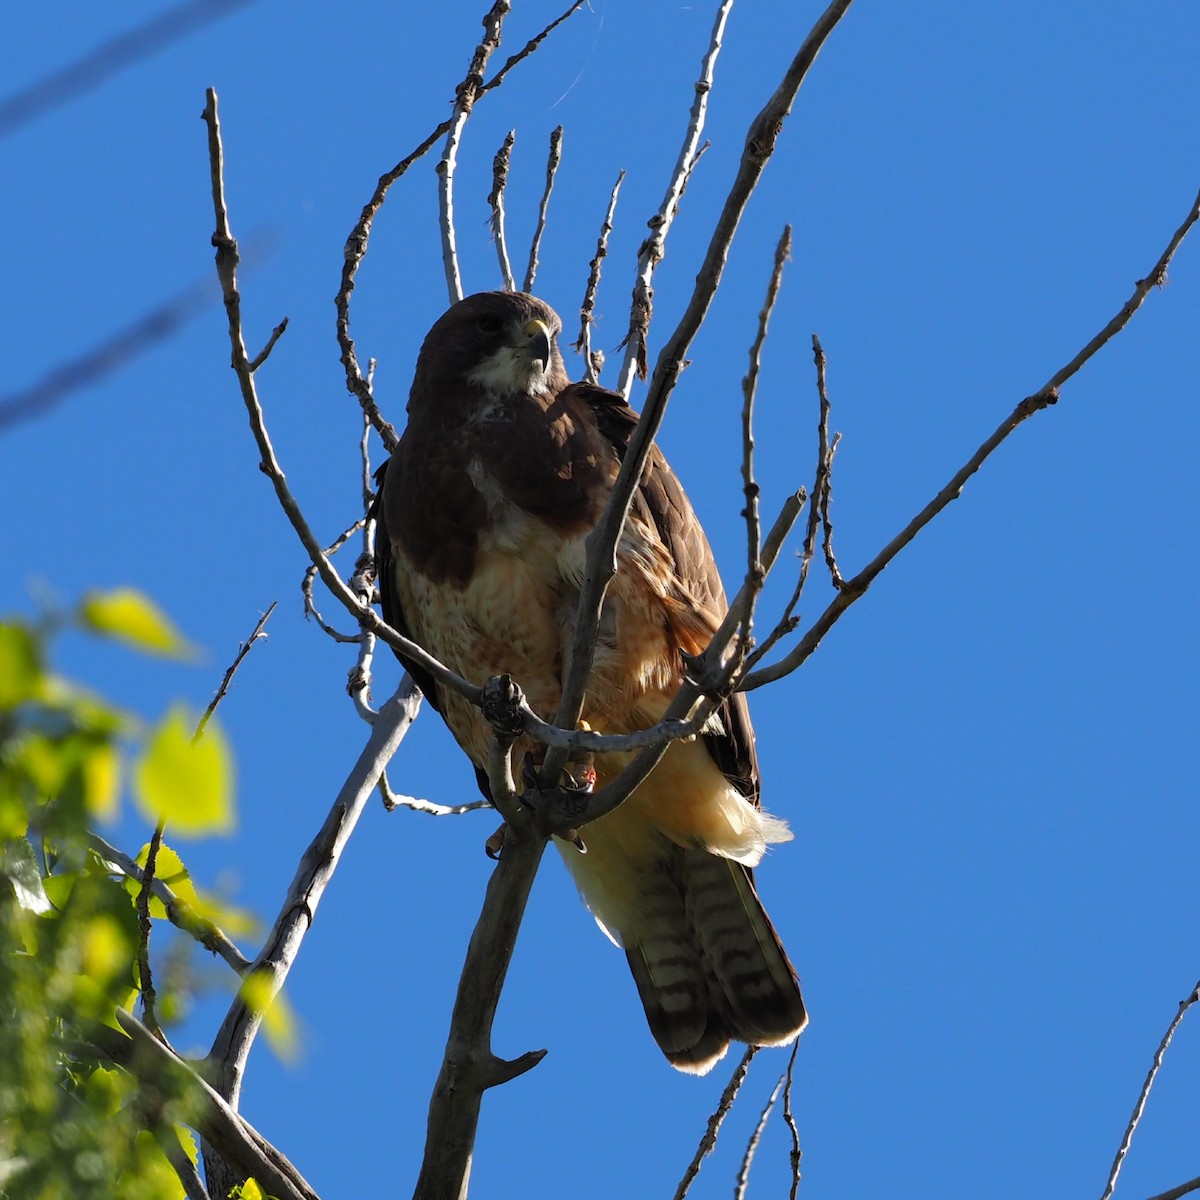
(495, 844)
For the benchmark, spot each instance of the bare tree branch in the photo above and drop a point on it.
(310, 578)
(159, 1068)
(470, 1066)
(142, 906)
(1182, 1189)
(244, 648)
(466, 95)
(1047, 395)
(356, 243)
(823, 489)
(148, 331)
(654, 247)
(1140, 1107)
(743, 1175)
(601, 563)
(394, 801)
(227, 1057)
(500, 166)
(789, 1118)
(265, 353)
(109, 58)
(709, 1140)
(552, 160)
(227, 264)
(179, 914)
(750, 489)
(182, 1165)
(593, 362)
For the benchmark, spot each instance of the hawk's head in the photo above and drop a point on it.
(502, 343)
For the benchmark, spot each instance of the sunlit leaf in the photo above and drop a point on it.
(188, 1143)
(130, 617)
(249, 1190)
(101, 774)
(154, 1171)
(184, 783)
(14, 816)
(279, 1022)
(20, 668)
(45, 762)
(168, 867)
(236, 922)
(106, 1090)
(19, 865)
(106, 949)
(59, 887)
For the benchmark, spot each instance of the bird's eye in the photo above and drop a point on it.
(489, 325)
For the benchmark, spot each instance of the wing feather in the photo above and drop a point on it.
(660, 497)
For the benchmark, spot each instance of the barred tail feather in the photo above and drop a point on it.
(708, 964)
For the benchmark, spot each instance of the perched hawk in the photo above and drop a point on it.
(502, 472)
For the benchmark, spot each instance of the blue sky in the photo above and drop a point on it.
(990, 764)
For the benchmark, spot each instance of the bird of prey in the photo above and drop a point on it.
(503, 470)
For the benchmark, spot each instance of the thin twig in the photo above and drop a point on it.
(356, 243)
(594, 362)
(790, 1120)
(823, 488)
(709, 1140)
(1047, 395)
(364, 451)
(227, 264)
(231, 670)
(743, 1175)
(393, 800)
(116, 54)
(601, 562)
(232, 1044)
(310, 578)
(652, 250)
(262, 356)
(750, 488)
(362, 582)
(109, 356)
(465, 97)
(145, 978)
(1140, 1107)
(1179, 1190)
(552, 160)
(179, 914)
(500, 165)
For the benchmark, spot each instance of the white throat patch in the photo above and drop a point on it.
(509, 371)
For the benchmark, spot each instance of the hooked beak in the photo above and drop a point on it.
(539, 342)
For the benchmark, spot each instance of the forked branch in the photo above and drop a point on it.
(601, 562)
(1044, 397)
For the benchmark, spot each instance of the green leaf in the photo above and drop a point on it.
(168, 867)
(59, 887)
(14, 816)
(279, 1022)
(152, 1170)
(184, 783)
(20, 668)
(250, 1190)
(130, 617)
(188, 1143)
(19, 865)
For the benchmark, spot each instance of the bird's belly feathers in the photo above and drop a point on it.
(515, 615)
(504, 621)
